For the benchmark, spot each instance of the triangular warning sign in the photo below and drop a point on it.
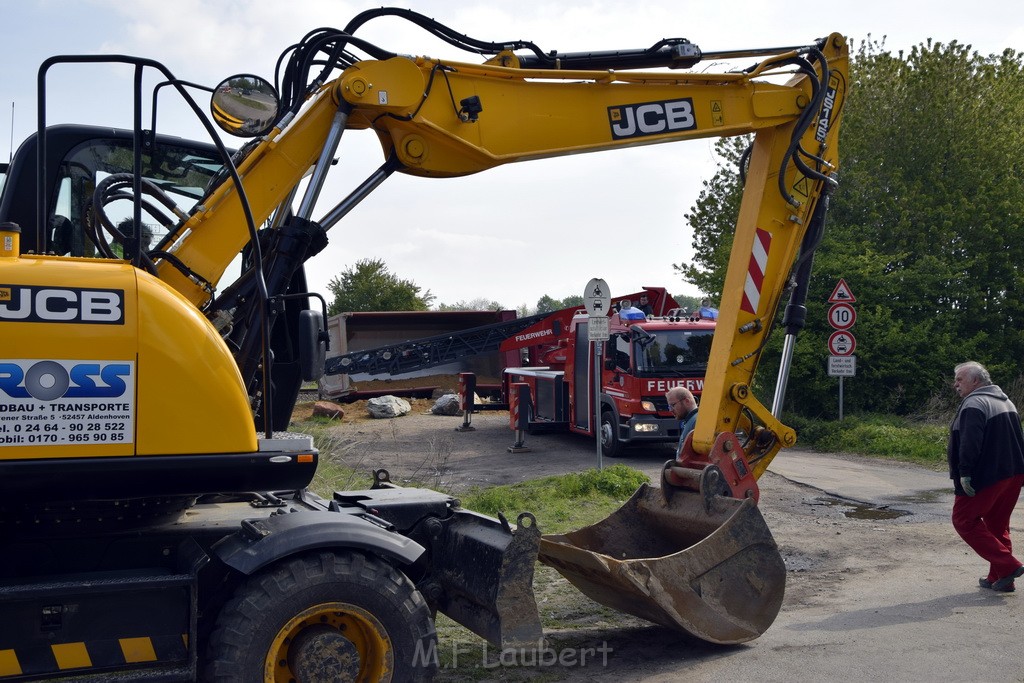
(841, 293)
(803, 187)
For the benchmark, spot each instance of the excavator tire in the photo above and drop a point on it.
(327, 616)
(611, 445)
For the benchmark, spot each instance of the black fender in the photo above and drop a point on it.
(260, 542)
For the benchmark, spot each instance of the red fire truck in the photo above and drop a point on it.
(552, 385)
(642, 359)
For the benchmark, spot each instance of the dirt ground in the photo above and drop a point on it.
(877, 590)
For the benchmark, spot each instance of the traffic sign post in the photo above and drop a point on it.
(597, 329)
(842, 293)
(842, 316)
(597, 300)
(842, 366)
(841, 343)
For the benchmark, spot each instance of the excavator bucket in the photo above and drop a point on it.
(704, 565)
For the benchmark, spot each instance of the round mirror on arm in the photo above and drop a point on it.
(245, 105)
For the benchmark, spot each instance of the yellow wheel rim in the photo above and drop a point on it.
(367, 636)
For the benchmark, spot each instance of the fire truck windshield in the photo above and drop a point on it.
(672, 352)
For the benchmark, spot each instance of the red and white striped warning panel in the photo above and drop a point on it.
(755, 272)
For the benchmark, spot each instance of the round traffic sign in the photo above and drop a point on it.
(842, 343)
(842, 316)
(597, 298)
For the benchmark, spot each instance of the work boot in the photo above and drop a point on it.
(1005, 584)
(985, 583)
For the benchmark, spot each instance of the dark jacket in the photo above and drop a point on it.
(985, 439)
(686, 426)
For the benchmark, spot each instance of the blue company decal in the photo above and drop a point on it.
(34, 304)
(651, 118)
(47, 380)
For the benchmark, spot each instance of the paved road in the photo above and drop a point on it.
(879, 586)
(870, 597)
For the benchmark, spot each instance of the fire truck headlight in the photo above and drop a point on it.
(646, 427)
(649, 406)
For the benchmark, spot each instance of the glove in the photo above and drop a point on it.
(965, 484)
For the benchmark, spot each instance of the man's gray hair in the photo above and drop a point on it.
(975, 371)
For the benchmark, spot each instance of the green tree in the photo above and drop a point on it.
(687, 303)
(478, 304)
(547, 304)
(713, 218)
(370, 286)
(572, 300)
(927, 228)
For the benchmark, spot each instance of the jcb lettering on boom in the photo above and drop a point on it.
(651, 118)
(25, 303)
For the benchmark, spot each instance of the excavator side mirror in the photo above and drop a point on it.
(245, 105)
(312, 345)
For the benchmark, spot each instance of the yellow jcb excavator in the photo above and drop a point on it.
(155, 520)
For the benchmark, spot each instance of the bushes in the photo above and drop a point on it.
(882, 435)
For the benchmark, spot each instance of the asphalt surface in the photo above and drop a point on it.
(883, 591)
(879, 586)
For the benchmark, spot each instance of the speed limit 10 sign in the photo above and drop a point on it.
(842, 316)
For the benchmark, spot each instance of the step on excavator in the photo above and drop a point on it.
(156, 518)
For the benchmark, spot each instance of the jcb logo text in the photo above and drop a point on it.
(651, 118)
(62, 305)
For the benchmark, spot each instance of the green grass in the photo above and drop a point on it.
(884, 436)
(563, 502)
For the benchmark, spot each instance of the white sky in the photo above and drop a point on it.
(511, 234)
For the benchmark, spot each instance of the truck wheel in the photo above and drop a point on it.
(324, 617)
(611, 446)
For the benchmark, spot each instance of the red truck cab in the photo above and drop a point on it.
(641, 360)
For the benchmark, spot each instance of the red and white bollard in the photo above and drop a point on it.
(519, 414)
(467, 389)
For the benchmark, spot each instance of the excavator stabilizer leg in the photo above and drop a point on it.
(709, 568)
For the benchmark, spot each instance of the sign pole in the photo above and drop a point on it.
(597, 403)
(597, 300)
(840, 398)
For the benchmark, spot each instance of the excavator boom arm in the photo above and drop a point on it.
(443, 119)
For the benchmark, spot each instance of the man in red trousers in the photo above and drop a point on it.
(986, 464)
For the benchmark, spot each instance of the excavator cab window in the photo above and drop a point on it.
(79, 157)
(179, 171)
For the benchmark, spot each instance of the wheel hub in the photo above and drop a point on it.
(323, 653)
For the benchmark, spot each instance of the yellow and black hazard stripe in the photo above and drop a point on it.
(111, 654)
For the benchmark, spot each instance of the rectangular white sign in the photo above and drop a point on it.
(842, 366)
(47, 402)
(597, 328)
